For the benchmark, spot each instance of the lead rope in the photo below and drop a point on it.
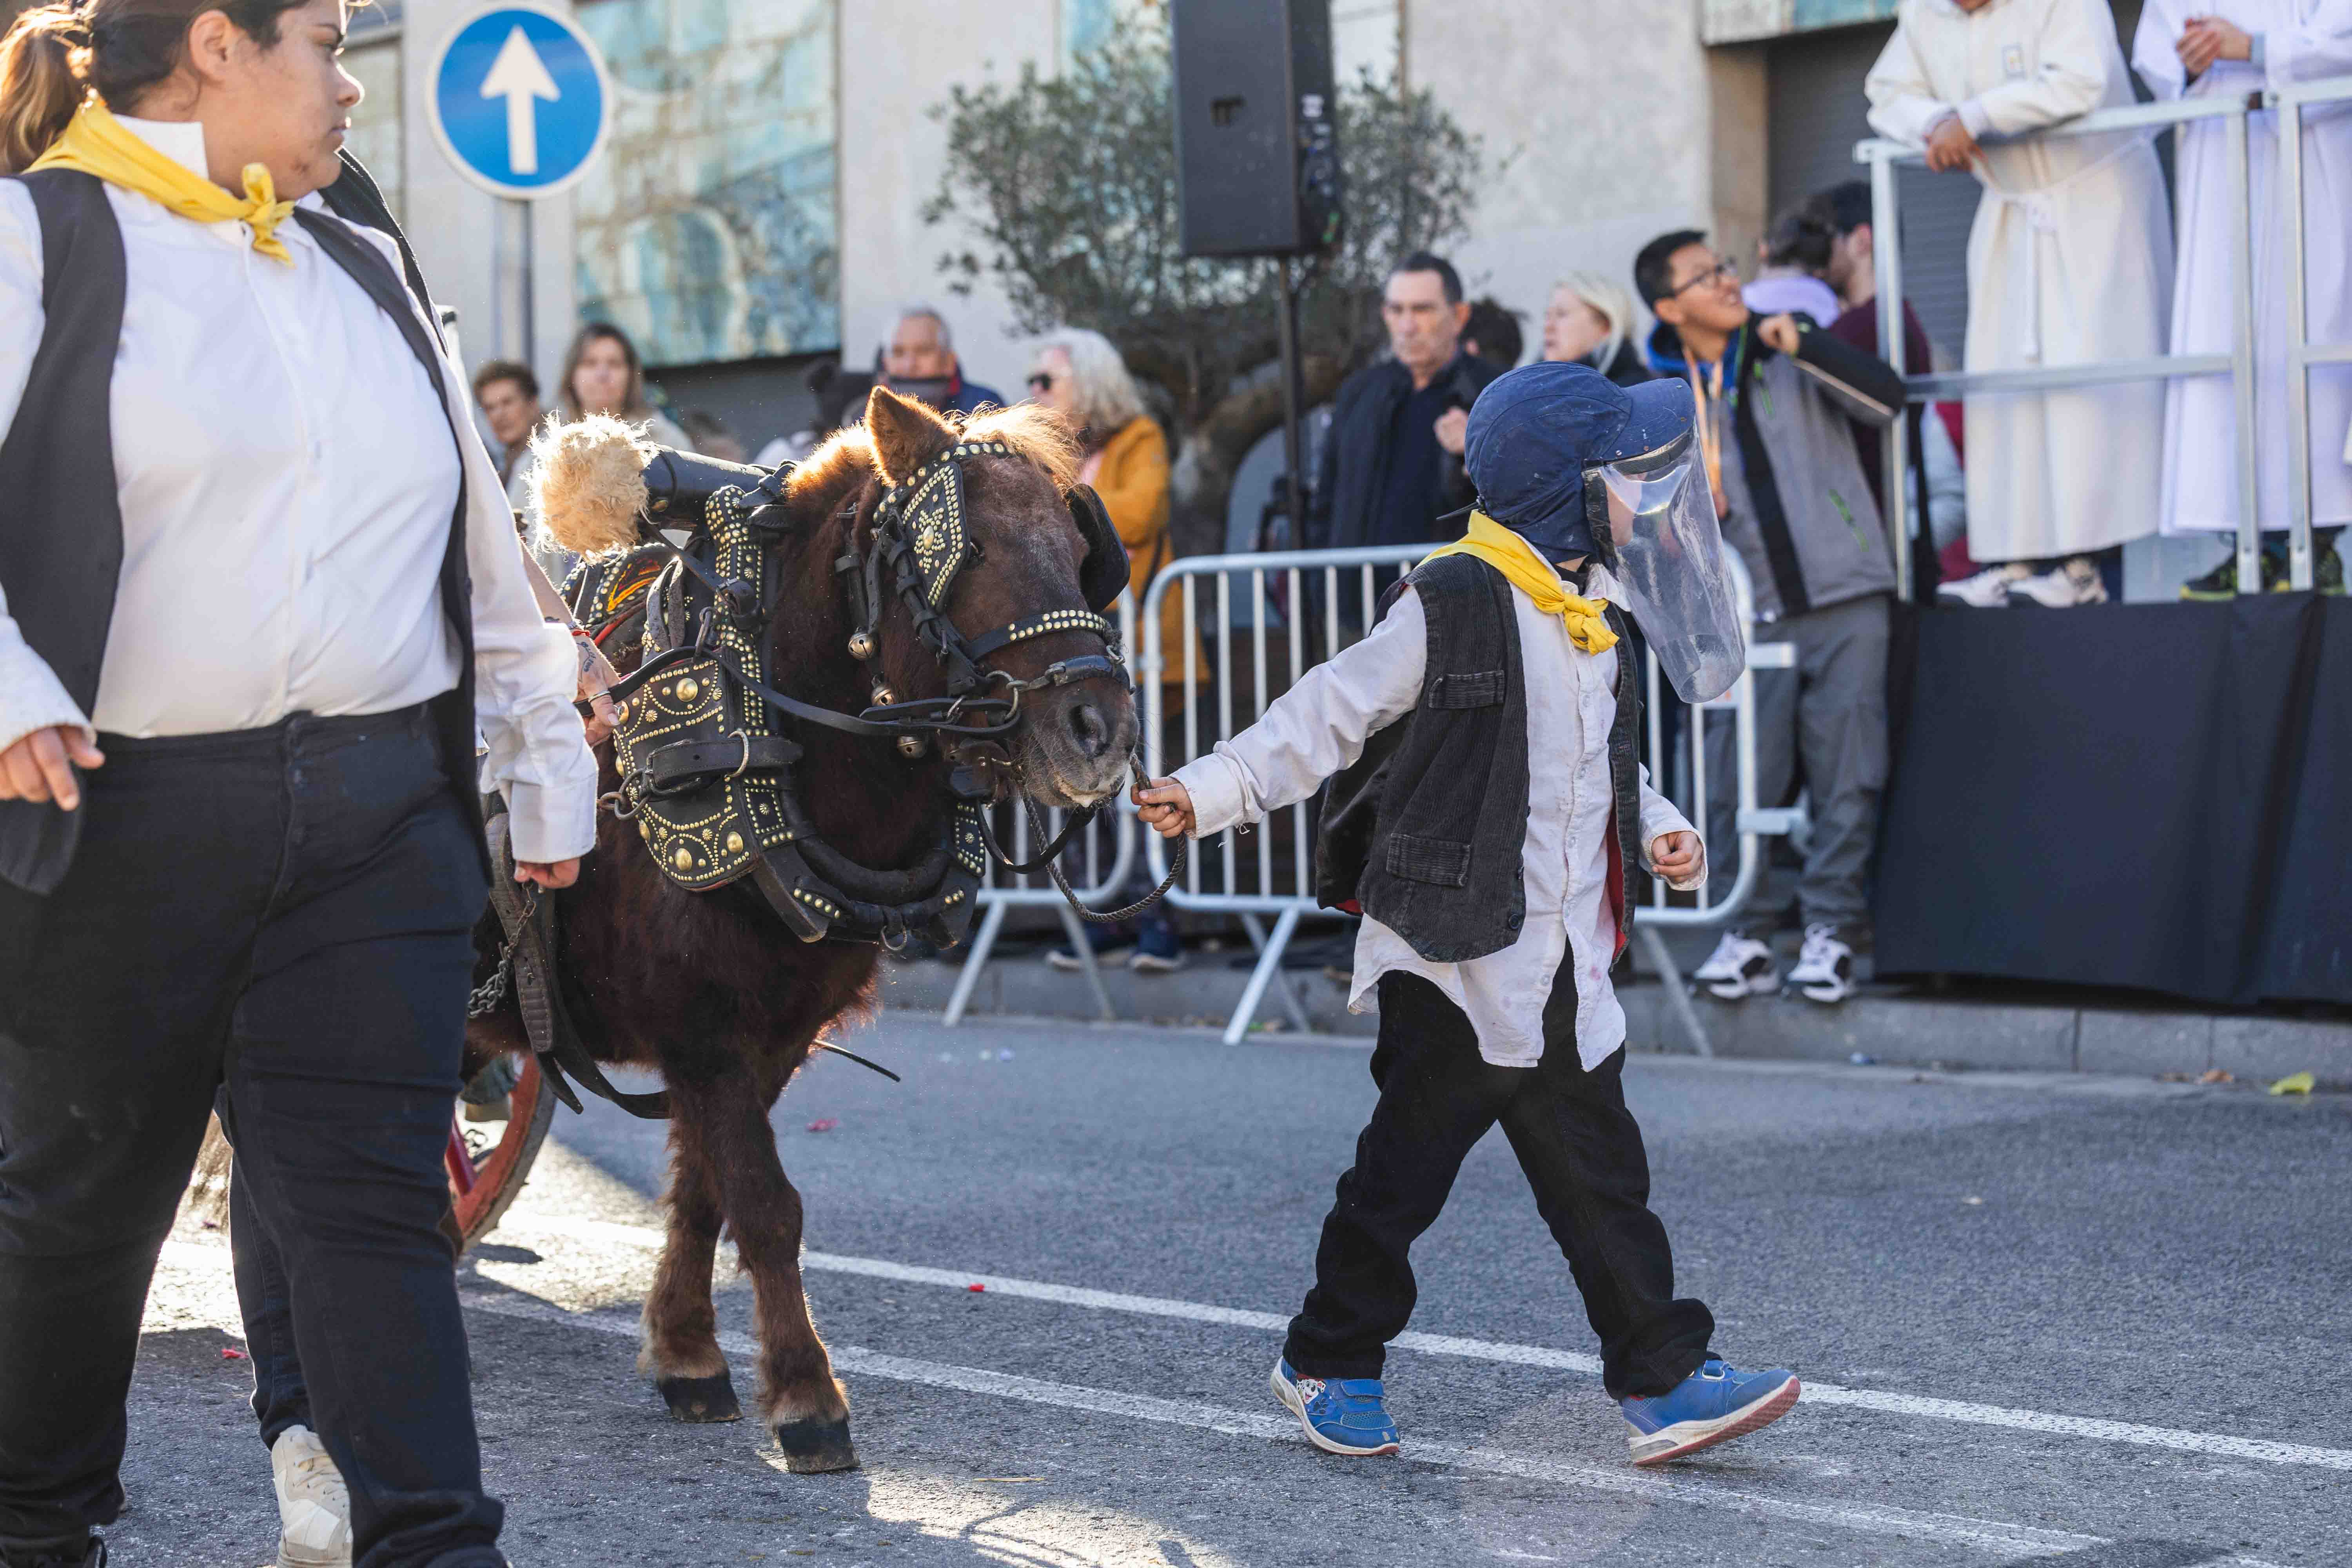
(1110, 916)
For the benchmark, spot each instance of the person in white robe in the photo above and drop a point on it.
(2070, 262)
(2228, 48)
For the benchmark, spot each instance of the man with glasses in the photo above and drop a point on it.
(1776, 402)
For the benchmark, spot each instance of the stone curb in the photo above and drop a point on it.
(1898, 1028)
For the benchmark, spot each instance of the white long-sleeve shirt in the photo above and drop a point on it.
(1319, 726)
(285, 477)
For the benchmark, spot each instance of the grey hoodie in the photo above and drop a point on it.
(1797, 506)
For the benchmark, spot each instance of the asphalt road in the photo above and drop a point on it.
(2092, 1322)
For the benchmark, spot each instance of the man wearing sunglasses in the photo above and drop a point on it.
(1777, 402)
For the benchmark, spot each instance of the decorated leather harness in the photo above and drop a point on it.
(706, 746)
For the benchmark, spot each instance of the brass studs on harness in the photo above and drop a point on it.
(689, 690)
(683, 858)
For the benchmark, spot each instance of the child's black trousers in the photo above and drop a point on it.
(1582, 1154)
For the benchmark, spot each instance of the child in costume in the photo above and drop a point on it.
(1488, 816)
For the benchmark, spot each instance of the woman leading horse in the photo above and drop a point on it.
(260, 587)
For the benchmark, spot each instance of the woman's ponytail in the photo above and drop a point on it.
(42, 65)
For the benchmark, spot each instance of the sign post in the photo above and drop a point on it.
(520, 106)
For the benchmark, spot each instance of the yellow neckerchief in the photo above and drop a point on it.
(1517, 560)
(97, 144)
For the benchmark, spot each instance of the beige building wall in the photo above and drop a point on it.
(895, 59)
(1605, 123)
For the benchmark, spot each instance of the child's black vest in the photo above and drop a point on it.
(1426, 833)
(61, 527)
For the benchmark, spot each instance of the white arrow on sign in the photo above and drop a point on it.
(519, 76)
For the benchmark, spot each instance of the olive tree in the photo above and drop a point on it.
(1064, 189)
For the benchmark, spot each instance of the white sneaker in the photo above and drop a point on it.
(1825, 966)
(314, 1508)
(2070, 583)
(1987, 590)
(1739, 966)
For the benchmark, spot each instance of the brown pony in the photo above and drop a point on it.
(713, 991)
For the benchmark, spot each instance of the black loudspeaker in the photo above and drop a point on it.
(1257, 160)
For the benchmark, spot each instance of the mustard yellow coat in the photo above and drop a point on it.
(1132, 480)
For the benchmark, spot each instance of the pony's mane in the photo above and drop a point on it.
(1033, 430)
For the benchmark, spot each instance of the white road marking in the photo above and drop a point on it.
(1514, 1355)
(2012, 1540)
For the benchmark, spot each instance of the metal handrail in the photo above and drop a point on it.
(1882, 155)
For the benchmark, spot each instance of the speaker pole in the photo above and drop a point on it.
(1294, 392)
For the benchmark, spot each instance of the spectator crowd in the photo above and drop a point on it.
(2076, 256)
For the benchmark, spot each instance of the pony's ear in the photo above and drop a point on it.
(905, 435)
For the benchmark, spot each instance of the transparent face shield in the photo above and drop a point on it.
(1655, 517)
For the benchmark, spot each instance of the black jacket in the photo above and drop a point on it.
(1426, 831)
(1355, 468)
(1626, 367)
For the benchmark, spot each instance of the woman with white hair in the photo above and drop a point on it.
(1079, 375)
(1592, 319)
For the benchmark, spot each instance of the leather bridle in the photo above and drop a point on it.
(919, 543)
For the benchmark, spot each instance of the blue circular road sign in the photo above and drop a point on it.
(521, 101)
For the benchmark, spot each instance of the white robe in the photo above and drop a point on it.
(2070, 260)
(2303, 40)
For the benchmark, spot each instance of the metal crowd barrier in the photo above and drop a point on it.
(2238, 363)
(1265, 620)
(1097, 863)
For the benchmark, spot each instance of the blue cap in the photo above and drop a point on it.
(1534, 430)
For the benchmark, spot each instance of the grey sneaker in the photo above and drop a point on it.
(1987, 590)
(314, 1508)
(2070, 582)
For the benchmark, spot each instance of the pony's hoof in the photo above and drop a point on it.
(700, 1399)
(813, 1446)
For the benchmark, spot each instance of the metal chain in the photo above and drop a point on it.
(485, 998)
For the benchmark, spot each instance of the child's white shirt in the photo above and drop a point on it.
(1320, 726)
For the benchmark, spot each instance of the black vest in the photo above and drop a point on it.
(61, 527)
(1426, 832)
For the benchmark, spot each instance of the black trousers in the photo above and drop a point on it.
(1582, 1154)
(265, 1299)
(285, 911)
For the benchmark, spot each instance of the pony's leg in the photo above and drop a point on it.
(681, 1348)
(803, 1405)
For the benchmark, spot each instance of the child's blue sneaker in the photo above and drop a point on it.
(1342, 1415)
(1713, 1405)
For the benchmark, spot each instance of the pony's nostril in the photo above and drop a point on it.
(1089, 729)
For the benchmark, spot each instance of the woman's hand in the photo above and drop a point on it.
(1950, 146)
(1167, 807)
(36, 767)
(548, 874)
(2208, 38)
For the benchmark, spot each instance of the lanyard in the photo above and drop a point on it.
(1709, 388)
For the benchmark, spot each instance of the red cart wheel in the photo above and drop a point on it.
(490, 1150)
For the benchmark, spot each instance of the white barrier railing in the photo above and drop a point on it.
(2238, 363)
(1315, 586)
